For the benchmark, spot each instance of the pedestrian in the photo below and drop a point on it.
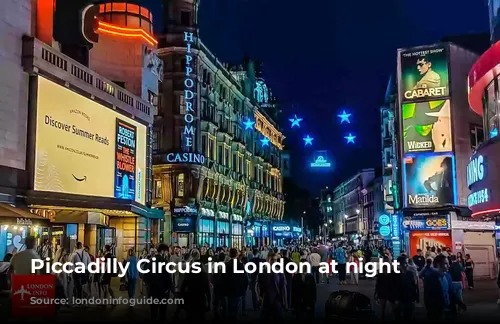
(340, 257)
(158, 284)
(132, 273)
(177, 280)
(253, 279)
(315, 260)
(386, 289)
(436, 288)
(457, 300)
(408, 291)
(80, 279)
(271, 290)
(469, 271)
(303, 299)
(106, 276)
(196, 291)
(20, 264)
(234, 284)
(419, 260)
(354, 268)
(219, 301)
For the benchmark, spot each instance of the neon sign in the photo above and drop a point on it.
(321, 162)
(478, 197)
(395, 225)
(476, 170)
(193, 158)
(188, 94)
(384, 219)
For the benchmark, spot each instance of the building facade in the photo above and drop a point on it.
(88, 172)
(437, 134)
(217, 164)
(348, 212)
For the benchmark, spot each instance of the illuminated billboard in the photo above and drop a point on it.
(424, 73)
(427, 126)
(84, 148)
(429, 180)
(320, 160)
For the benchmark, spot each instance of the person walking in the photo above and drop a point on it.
(80, 279)
(196, 291)
(158, 284)
(340, 257)
(469, 271)
(271, 289)
(132, 273)
(234, 284)
(20, 264)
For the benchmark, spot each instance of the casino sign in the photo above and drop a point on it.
(482, 179)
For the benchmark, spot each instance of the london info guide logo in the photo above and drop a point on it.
(429, 179)
(427, 126)
(424, 73)
(26, 288)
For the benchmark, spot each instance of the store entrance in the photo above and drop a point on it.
(105, 236)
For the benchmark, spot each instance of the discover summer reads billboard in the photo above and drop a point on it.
(84, 148)
(424, 73)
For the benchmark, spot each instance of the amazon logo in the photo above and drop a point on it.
(79, 179)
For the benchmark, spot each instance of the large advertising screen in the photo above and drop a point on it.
(84, 148)
(422, 239)
(427, 126)
(424, 73)
(429, 180)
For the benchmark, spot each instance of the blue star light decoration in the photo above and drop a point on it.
(248, 124)
(295, 121)
(344, 117)
(264, 141)
(494, 132)
(350, 138)
(308, 140)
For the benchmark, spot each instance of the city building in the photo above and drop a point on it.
(389, 147)
(87, 173)
(482, 170)
(373, 207)
(216, 147)
(348, 213)
(435, 144)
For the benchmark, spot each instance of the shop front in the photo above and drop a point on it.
(237, 231)
(426, 230)
(16, 225)
(223, 234)
(351, 226)
(183, 231)
(206, 227)
(281, 232)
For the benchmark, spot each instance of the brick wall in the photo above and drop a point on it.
(15, 21)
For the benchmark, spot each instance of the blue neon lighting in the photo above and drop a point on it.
(494, 133)
(295, 121)
(350, 138)
(344, 117)
(248, 124)
(308, 140)
(320, 162)
(264, 141)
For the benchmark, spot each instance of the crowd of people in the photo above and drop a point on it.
(441, 274)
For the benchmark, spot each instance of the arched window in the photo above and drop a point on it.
(204, 76)
(180, 185)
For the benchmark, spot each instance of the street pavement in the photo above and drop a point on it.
(481, 304)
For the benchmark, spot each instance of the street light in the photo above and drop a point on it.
(345, 216)
(330, 221)
(357, 211)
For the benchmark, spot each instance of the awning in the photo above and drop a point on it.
(11, 214)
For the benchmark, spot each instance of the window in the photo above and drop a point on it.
(248, 171)
(204, 145)
(211, 148)
(204, 109)
(154, 141)
(180, 185)
(185, 18)
(476, 136)
(226, 157)
(491, 112)
(158, 193)
(152, 98)
(204, 76)
(220, 155)
(182, 105)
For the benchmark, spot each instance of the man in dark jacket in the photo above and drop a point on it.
(408, 292)
(272, 292)
(196, 291)
(253, 278)
(234, 284)
(158, 284)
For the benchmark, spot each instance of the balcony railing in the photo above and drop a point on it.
(39, 57)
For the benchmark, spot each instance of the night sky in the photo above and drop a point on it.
(326, 55)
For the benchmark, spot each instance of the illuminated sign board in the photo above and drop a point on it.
(185, 210)
(182, 224)
(320, 162)
(281, 228)
(189, 95)
(385, 230)
(476, 170)
(384, 219)
(297, 229)
(85, 148)
(478, 197)
(395, 225)
(189, 158)
(419, 223)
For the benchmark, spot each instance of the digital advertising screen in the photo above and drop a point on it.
(429, 179)
(423, 239)
(424, 73)
(427, 126)
(84, 148)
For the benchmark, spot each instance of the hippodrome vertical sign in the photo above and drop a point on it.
(189, 95)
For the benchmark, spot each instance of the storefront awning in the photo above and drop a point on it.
(11, 214)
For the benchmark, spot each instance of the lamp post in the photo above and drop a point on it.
(324, 237)
(302, 226)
